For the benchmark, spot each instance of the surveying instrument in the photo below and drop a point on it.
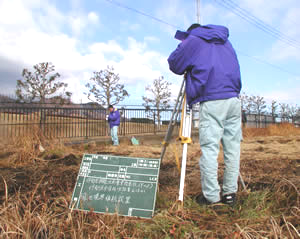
(184, 134)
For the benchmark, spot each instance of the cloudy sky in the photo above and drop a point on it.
(83, 36)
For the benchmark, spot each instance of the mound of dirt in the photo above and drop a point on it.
(68, 160)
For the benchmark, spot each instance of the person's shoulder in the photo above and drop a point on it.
(191, 39)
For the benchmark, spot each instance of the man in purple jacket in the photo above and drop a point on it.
(114, 122)
(213, 79)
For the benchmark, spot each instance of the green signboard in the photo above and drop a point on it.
(114, 184)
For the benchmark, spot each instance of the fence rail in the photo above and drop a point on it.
(79, 121)
(66, 122)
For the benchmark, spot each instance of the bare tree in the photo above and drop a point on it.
(298, 112)
(243, 98)
(297, 116)
(259, 104)
(105, 87)
(284, 111)
(292, 111)
(247, 102)
(40, 84)
(159, 99)
(274, 107)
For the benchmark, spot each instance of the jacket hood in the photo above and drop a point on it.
(211, 33)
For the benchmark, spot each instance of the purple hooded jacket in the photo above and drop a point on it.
(210, 62)
(114, 118)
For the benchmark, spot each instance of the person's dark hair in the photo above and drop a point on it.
(110, 106)
(193, 26)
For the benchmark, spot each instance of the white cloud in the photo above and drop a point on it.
(109, 47)
(27, 42)
(77, 24)
(32, 46)
(93, 17)
(17, 15)
(138, 63)
(151, 39)
(14, 13)
(81, 23)
(48, 18)
(291, 96)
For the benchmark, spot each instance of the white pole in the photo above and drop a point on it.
(198, 11)
(182, 175)
(184, 153)
(186, 132)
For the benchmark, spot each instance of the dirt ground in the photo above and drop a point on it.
(51, 176)
(264, 161)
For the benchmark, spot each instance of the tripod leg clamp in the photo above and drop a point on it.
(185, 140)
(164, 143)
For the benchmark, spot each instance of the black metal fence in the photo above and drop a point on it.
(264, 120)
(78, 121)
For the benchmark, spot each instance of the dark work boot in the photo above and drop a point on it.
(202, 201)
(229, 199)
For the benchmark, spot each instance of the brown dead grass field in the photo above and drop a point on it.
(36, 189)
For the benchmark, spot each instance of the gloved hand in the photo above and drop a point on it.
(106, 117)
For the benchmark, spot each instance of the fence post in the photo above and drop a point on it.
(105, 124)
(124, 121)
(86, 124)
(266, 122)
(42, 121)
(154, 122)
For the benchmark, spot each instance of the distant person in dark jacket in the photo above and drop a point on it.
(213, 79)
(114, 122)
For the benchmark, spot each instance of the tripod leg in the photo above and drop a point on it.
(242, 182)
(173, 119)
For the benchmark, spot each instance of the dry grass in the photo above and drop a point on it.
(52, 126)
(283, 129)
(36, 189)
(23, 150)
